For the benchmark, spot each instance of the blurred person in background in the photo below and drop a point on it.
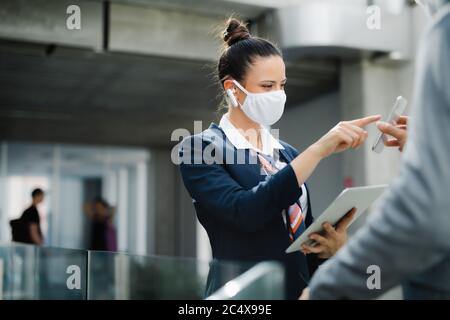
(27, 229)
(103, 233)
(406, 237)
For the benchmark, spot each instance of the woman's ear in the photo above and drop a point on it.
(230, 90)
(228, 84)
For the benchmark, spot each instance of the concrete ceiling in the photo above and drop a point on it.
(78, 96)
(222, 8)
(80, 161)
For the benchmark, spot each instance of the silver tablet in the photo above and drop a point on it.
(359, 197)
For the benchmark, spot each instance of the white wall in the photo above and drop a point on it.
(71, 214)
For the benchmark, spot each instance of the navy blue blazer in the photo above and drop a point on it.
(240, 208)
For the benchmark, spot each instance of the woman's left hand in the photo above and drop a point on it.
(332, 239)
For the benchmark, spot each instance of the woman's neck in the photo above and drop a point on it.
(250, 129)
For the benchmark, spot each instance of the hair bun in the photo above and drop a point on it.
(236, 31)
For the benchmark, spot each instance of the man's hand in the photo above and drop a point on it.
(305, 294)
(329, 242)
(399, 132)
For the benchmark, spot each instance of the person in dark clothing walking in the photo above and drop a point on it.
(31, 220)
(103, 235)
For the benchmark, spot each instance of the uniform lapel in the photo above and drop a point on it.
(288, 158)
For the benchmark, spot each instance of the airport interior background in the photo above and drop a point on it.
(92, 111)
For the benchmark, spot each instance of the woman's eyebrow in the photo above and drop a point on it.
(273, 81)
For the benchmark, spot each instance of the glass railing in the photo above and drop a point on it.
(125, 276)
(264, 281)
(30, 272)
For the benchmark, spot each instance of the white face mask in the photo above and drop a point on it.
(264, 108)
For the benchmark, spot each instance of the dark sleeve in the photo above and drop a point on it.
(30, 216)
(312, 259)
(211, 186)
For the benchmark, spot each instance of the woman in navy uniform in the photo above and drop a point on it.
(248, 187)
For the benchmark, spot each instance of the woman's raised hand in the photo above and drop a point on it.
(345, 135)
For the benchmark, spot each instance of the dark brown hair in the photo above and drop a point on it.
(240, 51)
(37, 192)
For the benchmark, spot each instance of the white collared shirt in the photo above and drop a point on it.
(269, 142)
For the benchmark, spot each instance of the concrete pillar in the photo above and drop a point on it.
(188, 224)
(369, 88)
(351, 102)
(55, 197)
(171, 217)
(366, 89)
(141, 207)
(122, 210)
(162, 203)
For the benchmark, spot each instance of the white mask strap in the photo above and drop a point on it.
(240, 87)
(420, 3)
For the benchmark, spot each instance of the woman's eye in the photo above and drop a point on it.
(270, 86)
